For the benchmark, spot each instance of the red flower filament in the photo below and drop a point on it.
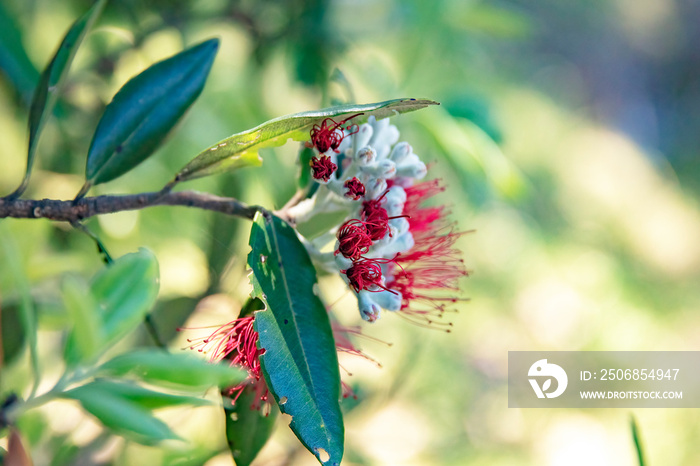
(430, 271)
(322, 167)
(237, 342)
(355, 189)
(353, 240)
(330, 135)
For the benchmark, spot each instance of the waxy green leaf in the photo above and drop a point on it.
(119, 298)
(300, 363)
(241, 150)
(145, 398)
(86, 337)
(14, 61)
(181, 370)
(121, 414)
(247, 429)
(46, 92)
(144, 110)
(126, 290)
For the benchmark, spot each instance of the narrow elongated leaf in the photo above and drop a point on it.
(167, 369)
(126, 290)
(147, 399)
(121, 415)
(145, 110)
(86, 337)
(14, 61)
(247, 430)
(241, 149)
(638, 448)
(47, 89)
(300, 363)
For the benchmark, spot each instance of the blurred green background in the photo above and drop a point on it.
(567, 136)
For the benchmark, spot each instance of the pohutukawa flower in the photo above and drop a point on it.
(375, 218)
(329, 134)
(353, 240)
(395, 254)
(364, 275)
(355, 189)
(427, 275)
(237, 342)
(322, 167)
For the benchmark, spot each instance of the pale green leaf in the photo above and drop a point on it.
(241, 150)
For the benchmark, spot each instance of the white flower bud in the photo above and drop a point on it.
(365, 156)
(388, 300)
(382, 169)
(412, 167)
(395, 199)
(369, 309)
(363, 135)
(374, 187)
(400, 152)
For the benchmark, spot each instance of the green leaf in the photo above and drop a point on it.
(126, 290)
(247, 429)
(14, 62)
(241, 150)
(121, 414)
(145, 398)
(145, 110)
(181, 370)
(50, 81)
(86, 337)
(300, 363)
(637, 441)
(13, 333)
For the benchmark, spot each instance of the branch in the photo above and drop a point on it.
(74, 211)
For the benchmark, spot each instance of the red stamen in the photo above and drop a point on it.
(355, 188)
(237, 342)
(353, 240)
(329, 136)
(322, 167)
(366, 274)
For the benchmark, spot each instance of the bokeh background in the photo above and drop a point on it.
(568, 138)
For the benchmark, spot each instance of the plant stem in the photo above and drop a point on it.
(73, 211)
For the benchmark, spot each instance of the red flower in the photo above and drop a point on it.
(322, 167)
(353, 239)
(427, 275)
(329, 136)
(355, 188)
(375, 218)
(237, 342)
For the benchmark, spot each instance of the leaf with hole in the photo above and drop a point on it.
(46, 92)
(247, 429)
(181, 370)
(144, 111)
(241, 150)
(300, 363)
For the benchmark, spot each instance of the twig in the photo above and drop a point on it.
(73, 211)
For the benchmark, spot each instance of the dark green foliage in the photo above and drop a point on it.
(300, 362)
(144, 111)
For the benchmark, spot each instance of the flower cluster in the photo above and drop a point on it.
(237, 342)
(394, 253)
